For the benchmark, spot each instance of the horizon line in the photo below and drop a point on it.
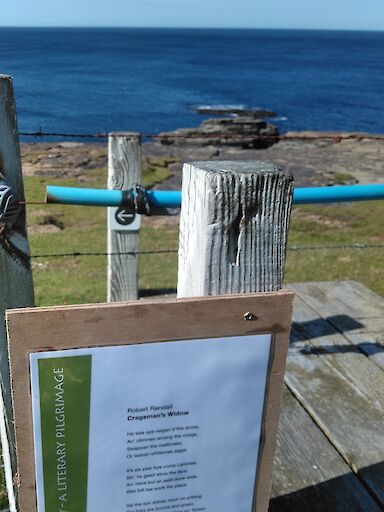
(81, 27)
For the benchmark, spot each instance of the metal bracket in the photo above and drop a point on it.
(136, 200)
(9, 207)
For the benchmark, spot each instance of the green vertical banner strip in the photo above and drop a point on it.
(65, 394)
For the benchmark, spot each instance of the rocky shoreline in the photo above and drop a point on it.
(245, 131)
(313, 161)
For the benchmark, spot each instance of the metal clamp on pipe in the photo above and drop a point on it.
(136, 200)
(9, 207)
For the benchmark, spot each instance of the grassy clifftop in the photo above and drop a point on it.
(59, 229)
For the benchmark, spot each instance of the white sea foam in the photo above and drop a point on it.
(221, 107)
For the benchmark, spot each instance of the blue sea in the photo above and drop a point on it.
(150, 80)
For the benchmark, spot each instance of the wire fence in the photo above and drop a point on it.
(164, 137)
(296, 248)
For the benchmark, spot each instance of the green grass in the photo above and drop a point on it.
(155, 170)
(342, 178)
(72, 280)
(3, 492)
(332, 225)
(67, 229)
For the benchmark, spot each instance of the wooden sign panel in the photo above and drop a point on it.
(149, 406)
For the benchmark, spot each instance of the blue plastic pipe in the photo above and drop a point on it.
(98, 197)
(164, 198)
(172, 198)
(338, 194)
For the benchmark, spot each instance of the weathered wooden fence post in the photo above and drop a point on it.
(16, 287)
(124, 171)
(233, 235)
(233, 227)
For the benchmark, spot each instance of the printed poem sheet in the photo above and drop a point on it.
(169, 426)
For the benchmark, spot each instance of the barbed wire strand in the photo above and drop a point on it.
(169, 136)
(335, 246)
(76, 254)
(336, 137)
(27, 203)
(101, 135)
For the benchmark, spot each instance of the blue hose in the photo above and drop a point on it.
(172, 198)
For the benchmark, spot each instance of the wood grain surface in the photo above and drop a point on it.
(124, 171)
(308, 472)
(233, 227)
(16, 286)
(42, 329)
(341, 388)
(353, 309)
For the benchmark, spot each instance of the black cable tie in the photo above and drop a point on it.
(136, 200)
(9, 206)
(141, 201)
(128, 200)
(14, 252)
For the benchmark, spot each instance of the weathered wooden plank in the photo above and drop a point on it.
(233, 227)
(365, 332)
(341, 389)
(371, 344)
(308, 472)
(332, 299)
(124, 171)
(16, 288)
(144, 322)
(347, 324)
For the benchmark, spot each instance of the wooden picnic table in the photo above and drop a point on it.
(330, 447)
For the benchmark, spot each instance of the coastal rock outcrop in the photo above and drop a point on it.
(242, 131)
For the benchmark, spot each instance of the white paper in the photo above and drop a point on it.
(196, 445)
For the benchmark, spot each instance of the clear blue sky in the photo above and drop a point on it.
(329, 14)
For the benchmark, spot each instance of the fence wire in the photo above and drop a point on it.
(334, 137)
(296, 248)
(166, 137)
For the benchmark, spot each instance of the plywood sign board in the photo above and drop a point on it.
(148, 406)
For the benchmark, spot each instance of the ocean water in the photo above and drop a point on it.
(150, 80)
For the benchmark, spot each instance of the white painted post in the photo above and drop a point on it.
(124, 171)
(233, 227)
(233, 235)
(16, 287)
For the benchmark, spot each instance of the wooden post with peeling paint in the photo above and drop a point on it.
(16, 287)
(124, 172)
(233, 237)
(233, 227)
